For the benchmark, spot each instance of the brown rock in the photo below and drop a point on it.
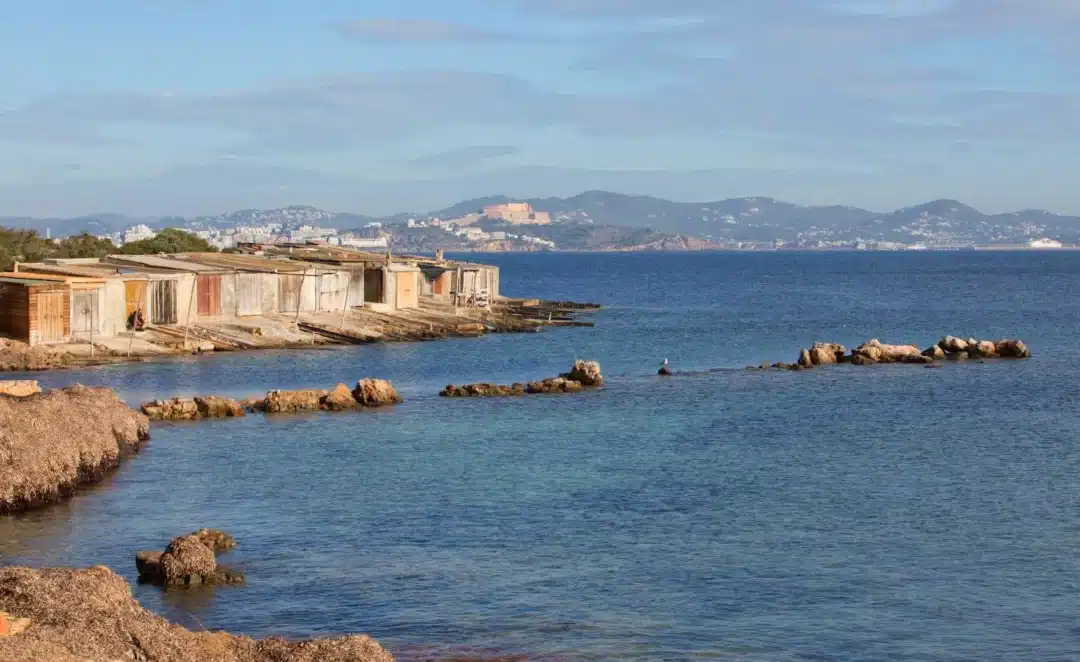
(555, 385)
(253, 404)
(987, 349)
(935, 353)
(51, 443)
(482, 391)
(210, 406)
(375, 393)
(587, 373)
(148, 563)
(187, 560)
(862, 359)
(90, 615)
(339, 399)
(953, 345)
(876, 350)
(1013, 349)
(174, 409)
(917, 358)
(826, 353)
(215, 539)
(19, 388)
(291, 402)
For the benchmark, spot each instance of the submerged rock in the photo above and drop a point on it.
(555, 385)
(53, 442)
(482, 390)
(90, 615)
(372, 392)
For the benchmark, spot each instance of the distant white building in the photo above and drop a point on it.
(369, 243)
(1045, 243)
(138, 233)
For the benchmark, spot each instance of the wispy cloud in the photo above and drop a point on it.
(463, 156)
(412, 30)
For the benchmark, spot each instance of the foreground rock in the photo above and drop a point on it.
(189, 560)
(90, 616)
(51, 443)
(193, 409)
(375, 393)
(482, 391)
(19, 388)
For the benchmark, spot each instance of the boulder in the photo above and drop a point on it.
(826, 353)
(935, 353)
(555, 385)
(986, 349)
(587, 373)
(173, 409)
(340, 398)
(375, 393)
(1013, 349)
(148, 563)
(186, 561)
(19, 388)
(878, 351)
(953, 345)
(291, 402)
(805, 360)
(862, 359)
(253, 404)
(210, 406)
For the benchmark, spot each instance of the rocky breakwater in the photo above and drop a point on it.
(874, 351)
(368, 392)
(192, 409)
(582, 375)
(53, 442)
(189, 560)
(83, 615)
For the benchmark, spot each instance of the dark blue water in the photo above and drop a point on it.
(885, 513)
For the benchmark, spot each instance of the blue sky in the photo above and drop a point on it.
(377, 106)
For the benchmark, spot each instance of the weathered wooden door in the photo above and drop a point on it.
(373, 285)
(83, 314)
(50, 316)
(249, 294)
(209, 294)
(163, 302)
(406, 289)
(134, 296)
(289, 292)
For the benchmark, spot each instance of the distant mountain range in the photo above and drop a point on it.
(757, 219)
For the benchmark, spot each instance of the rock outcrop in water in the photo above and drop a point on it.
(192, 409)
(587, 373)
(91, 616)
(51, 443)
(372, 392)
(189, 560)
(874, 351)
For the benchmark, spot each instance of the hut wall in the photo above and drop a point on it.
(50, 313)
(114, 307)
(15, 311)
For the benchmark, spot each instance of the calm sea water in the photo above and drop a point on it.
(887, 513)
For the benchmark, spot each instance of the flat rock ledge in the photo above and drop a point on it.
(872, 352)
(189, 560)
(52, 443)
(79, 615)
(582, 375)
(193, 409)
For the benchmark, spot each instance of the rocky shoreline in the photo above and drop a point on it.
(582, 375)
(52, 443)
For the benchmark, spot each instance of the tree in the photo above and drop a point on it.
(169, 240)
(21, 246)
(82, 246)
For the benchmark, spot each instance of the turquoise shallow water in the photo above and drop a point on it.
(887, 513)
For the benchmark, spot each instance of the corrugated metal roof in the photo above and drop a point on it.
(174, 263)
(240, 262)
(29, 281)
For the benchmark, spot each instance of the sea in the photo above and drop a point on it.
(879, 513)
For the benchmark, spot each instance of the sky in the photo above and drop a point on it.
(156, 107)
